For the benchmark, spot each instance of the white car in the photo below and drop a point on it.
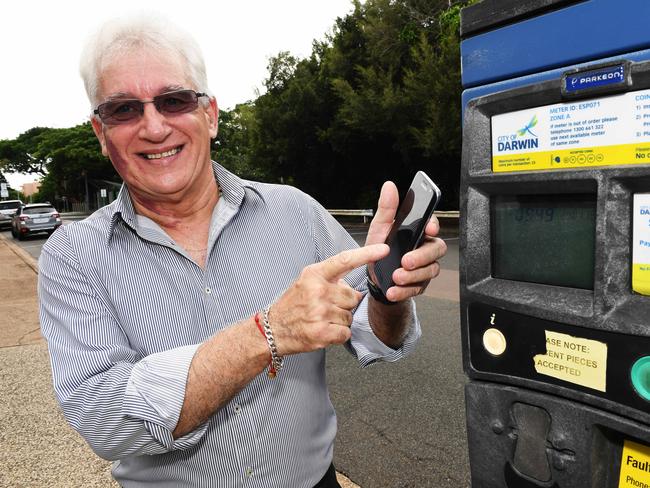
(35, 218)
(7, 210)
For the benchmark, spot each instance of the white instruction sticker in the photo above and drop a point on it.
(613, 130)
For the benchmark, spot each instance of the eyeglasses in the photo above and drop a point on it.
(177, 102)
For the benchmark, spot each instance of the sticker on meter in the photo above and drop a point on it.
(641, 244)
(635, 465)
(574, 359)
(613, 130)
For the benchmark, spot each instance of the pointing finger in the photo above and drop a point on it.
(336, 267)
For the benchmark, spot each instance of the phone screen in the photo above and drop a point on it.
(406, 233)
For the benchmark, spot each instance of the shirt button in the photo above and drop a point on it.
(208, 290)
(237, 408)
(249, 472)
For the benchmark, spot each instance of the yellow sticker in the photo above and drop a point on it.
(635, 466)
(574, 359)
(615, 155)
(641, 278)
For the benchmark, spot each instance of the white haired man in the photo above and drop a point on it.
(187, 321)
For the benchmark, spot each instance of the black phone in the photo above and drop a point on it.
(407, 231)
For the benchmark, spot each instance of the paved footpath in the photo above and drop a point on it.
(37, 447)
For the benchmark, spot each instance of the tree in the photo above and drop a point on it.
(20, 155)
(379, 99)
(232, 147)
(66, 158)
(405, 99)
(290, 121)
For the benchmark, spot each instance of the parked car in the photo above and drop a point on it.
(7, 210)
(34, 218)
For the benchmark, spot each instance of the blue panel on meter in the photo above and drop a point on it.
(480, 91)
(582, 32)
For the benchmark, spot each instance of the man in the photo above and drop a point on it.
(187, 320)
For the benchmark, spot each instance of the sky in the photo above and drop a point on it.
(41, 40)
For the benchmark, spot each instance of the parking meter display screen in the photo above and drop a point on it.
(547, 239)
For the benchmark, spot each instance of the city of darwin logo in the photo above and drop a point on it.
(524, 138)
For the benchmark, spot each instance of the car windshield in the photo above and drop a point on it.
(9, 205)
(38, 210)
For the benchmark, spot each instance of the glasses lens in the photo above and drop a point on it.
(177, 102)
(120, 111)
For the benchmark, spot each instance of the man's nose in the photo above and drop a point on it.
(153, 124)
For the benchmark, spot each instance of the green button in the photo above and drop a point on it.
(641, 377)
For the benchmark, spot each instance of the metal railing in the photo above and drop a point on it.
(365, 213)
(368, 212)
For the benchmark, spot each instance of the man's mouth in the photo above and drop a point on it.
(165, 154)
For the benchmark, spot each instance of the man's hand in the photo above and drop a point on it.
(418, 266)
(315, 311)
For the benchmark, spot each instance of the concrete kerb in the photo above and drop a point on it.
(29, 261)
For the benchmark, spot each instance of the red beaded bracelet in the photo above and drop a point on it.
(272, 372)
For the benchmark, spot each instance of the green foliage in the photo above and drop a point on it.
(281, 69)
(287, 140)
(21, 155)
(64, 156)
(232, 147)
(379, 100)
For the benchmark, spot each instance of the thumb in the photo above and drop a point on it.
(386, 209)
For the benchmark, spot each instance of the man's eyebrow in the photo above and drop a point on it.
(119, 96)
(170, 88)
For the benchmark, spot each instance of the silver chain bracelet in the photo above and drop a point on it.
(276, 360)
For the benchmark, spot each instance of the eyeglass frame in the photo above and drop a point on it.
(153, 100)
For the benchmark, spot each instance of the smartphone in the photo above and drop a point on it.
(407, 231)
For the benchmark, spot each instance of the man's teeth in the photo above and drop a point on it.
(166, 154)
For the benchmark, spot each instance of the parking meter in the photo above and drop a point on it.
(555, 242)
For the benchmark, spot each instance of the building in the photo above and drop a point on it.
(30, 188)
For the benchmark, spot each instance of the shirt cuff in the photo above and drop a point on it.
(368, 348)
(155, 393)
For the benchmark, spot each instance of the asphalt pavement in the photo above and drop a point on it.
(400, 425)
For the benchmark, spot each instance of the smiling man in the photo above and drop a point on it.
(187, 321)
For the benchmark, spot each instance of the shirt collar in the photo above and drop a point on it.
(232, 191)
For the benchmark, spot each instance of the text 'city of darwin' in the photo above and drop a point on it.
(517, 145)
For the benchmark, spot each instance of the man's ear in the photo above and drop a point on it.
(99, 132)
(213, 117)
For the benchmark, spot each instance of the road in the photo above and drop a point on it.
(31, 244)
(401, 425)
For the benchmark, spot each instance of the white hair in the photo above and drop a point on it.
(142, 31)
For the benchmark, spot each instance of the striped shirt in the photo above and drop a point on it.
(124, 309)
